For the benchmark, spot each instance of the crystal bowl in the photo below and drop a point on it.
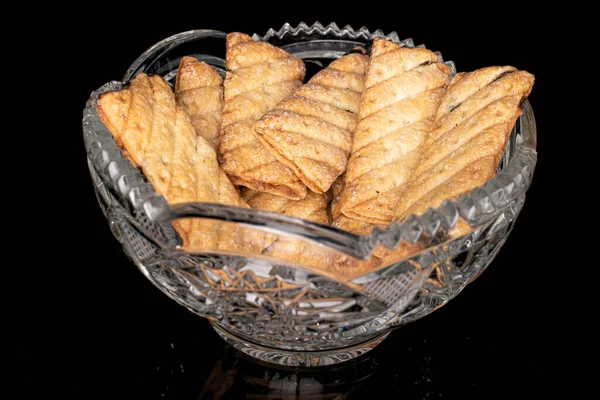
(273, 307)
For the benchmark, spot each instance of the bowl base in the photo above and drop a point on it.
(298, 358)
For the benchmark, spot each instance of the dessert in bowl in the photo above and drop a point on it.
(313, 188)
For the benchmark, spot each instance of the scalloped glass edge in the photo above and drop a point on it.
(347, 32)
(481, 205)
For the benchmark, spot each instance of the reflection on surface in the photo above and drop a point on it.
(418, 361)
(409, 364)
(237, 376)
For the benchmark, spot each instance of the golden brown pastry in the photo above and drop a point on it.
(128, 115)
(403, 90)
(341, 221)
(213, 187)
(259, 75)
(334, 194)
(352, 225)
(158, 136)
(311, 131)
(381, 137)
(199, 91)
(346, 268)
(472, 127)
(287, 247)
(312, 207)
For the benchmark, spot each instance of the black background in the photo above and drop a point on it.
(91, 325)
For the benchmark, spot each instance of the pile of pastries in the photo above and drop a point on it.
(370, 139)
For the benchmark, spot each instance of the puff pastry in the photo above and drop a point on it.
(403, 90)
(259, 75)
(311, 131)
(378, 137)
(158, 136)
(199, 91)
(287, 247)
(312, 208)
(472, 127)
(339, 220)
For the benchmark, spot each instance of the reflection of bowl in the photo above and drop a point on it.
(272, 307)
(236, 375)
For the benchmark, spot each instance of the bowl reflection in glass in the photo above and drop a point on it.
(235, 375)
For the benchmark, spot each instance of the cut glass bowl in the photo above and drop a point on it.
(274, 308)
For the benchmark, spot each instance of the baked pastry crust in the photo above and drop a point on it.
(199, 92)
(311, 131)
(403, 89)
(259, 75)
(287, 247)
(382, 137)
(312, 208)
(472, 127)
(158, 136)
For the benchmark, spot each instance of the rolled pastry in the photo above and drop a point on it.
(311, 131)
(259, 75)
(472, 126)
(403, 90)
(199, 91)
(158, 136)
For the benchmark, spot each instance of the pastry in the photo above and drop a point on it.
(472, 127)
(403, 90)
(366, 141)
(259, 75)
(199, 92)
(312, 208)
(158, 136)
(311, 131)
(289, 247)
(334, 194)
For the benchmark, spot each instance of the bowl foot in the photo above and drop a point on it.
(298, 358)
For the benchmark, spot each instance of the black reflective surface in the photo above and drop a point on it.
(90, 325)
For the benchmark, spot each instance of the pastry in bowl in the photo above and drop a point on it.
(403, 89)
(259, 76)
(311, 130)
(308, 215)
(394, 134)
